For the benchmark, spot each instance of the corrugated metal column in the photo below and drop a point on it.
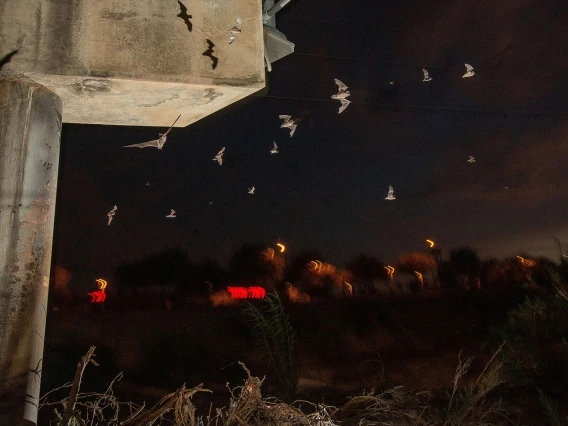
(30, 131)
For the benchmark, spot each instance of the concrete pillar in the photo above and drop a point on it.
(30, 130)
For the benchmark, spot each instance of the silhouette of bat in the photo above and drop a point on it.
(183, 15)
(209, 53)
(7, 58)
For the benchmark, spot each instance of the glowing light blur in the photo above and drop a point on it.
(102, 284)
(282, 247)
(420, 278)
(271, 251)
(521, 259)
(99, 296)
(254, 292)
(390, 271)
(431, 243)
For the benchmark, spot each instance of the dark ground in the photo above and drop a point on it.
(342, 346)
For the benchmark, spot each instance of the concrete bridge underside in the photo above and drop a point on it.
(117, 62)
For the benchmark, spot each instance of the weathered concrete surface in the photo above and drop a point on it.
(127, 62)
(30, 125)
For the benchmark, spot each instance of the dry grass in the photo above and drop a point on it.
(397, 406)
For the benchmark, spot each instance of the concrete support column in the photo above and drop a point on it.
(30, 130)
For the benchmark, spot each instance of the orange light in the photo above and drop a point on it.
(282, 247)
(419, 276)
(102, 284)
(431, 243)
(316, 265)
(271, 251)
(521, 259)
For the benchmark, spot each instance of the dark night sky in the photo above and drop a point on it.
(325, 189)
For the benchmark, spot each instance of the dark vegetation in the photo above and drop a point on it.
(471, 342)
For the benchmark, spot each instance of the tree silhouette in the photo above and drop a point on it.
(465, 261)
(366, 269)
(207, 270)
(463, 269)
(297, 267)
(168, 267)
(416, 261)
(252, 262)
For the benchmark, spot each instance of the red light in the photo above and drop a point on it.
(97, 296)
(238, 292)
(245, 293)
(256, 292)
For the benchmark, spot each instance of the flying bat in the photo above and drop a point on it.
(469, 71)
(251, 190)
(471, 159)
(157, 143)
(274, 149)
(390, 195)
(426, 75)
(172, 214)
(233, 31)
(7, 58)
(111, 214)
(341, 95)
(209, 53)
(288, 123)
(183, 15)
(219, 156)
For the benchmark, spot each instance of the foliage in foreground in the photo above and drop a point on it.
(536, 353)
(274, 337)
(476, 405)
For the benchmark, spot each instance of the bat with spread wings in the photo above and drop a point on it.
(183, 15)
(209, 53)
(156, 143)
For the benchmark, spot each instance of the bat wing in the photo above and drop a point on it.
(165, 134)
(153, 143)
(344, 104)
(7, 58)
(340, 85)
(209, 53)
(183, 15)
(183, 9)
(292, 129)
(285, 117)
(468, 67)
